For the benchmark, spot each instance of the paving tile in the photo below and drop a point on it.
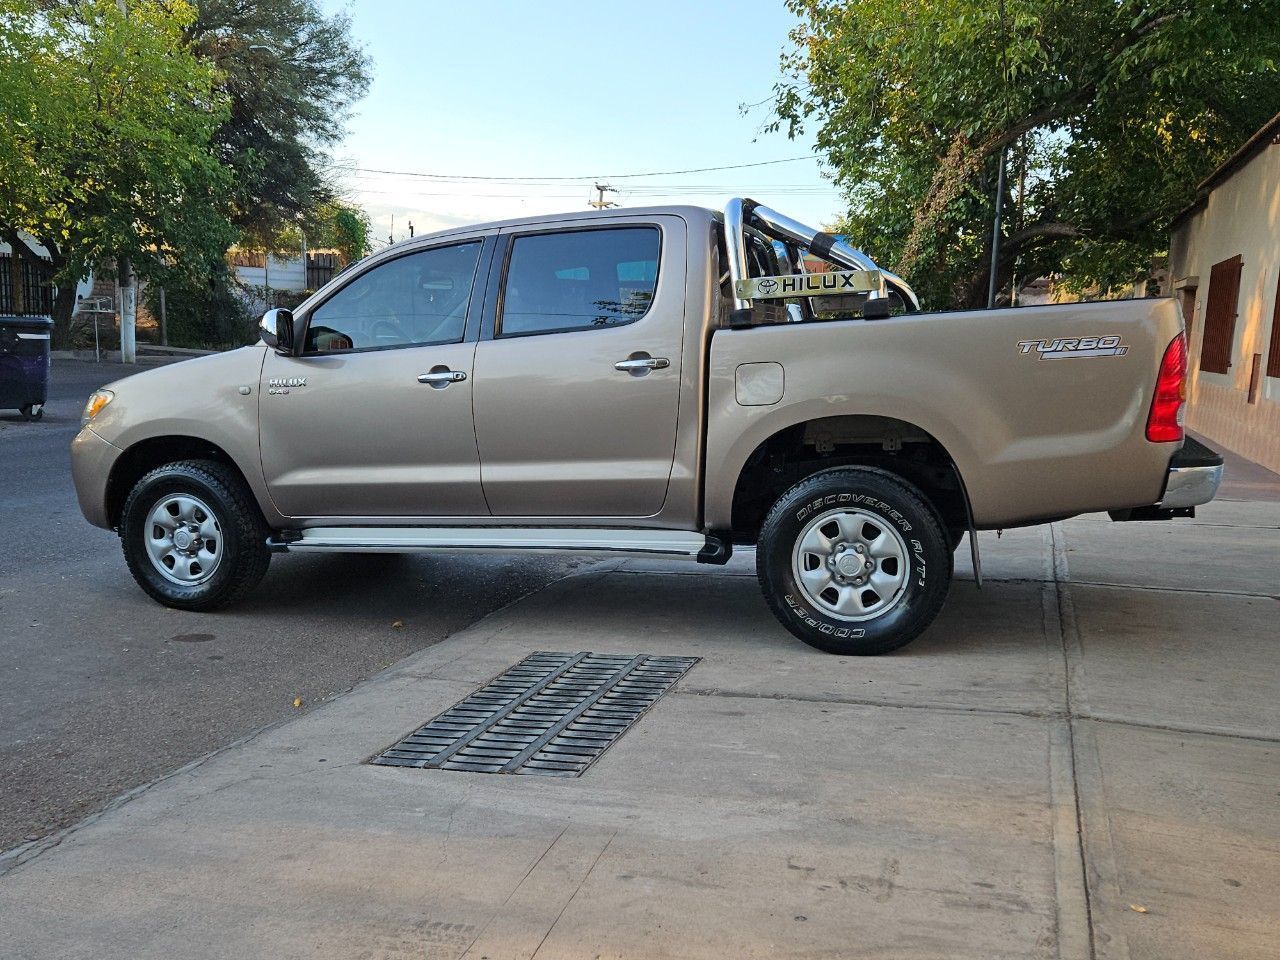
(1194, 824)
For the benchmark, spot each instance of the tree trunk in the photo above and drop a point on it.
(64, 305)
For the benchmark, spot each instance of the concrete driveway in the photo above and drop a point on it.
(1080, 760)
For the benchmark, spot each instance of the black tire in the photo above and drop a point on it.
(886, 498)
(244, 557)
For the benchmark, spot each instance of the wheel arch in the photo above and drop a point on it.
(805, 447)
(145, 455)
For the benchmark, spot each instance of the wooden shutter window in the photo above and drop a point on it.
(1273, 352)
(1220, 315)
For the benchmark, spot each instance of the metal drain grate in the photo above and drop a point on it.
(551, 715)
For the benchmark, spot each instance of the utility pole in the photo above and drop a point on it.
(1004, 157)
(410, 229)
(128, 311)
(600, 202)
(128, 289)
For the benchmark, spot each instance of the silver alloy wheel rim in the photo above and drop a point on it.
(850, 564)
(183, 539)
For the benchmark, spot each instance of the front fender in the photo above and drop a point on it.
(213, 399)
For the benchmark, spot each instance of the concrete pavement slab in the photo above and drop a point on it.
(1169, 555)
(1194, 825)
(1179, 659)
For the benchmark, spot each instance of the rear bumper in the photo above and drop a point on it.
(1194, 474)
(1193, 477)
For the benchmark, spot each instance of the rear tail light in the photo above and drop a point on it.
(1169, 405)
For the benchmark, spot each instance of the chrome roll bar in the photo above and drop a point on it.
(733, 216)
(740, 212)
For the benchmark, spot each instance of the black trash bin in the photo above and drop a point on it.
(24, 364)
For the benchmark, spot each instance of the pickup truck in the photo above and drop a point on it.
(665, 382)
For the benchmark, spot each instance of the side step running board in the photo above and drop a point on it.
(674, 544)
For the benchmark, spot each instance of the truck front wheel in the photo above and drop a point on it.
(854, 560)
(193, 536)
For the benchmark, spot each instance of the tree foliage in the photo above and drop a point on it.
(164, 133)
(343, 227)
(290, 74)
(105, 139)
(1111, 110)
(210, 312)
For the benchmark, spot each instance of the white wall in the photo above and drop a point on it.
(283, 274)
(1241, 216)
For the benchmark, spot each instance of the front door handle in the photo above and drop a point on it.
(642, 364)
(441, 377)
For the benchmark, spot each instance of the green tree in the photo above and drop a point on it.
(341, 226)
(290, 73)
(1111, 110)
(105, 140)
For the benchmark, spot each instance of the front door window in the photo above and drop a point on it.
(419, 298)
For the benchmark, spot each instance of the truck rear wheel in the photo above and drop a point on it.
(193, 536)
(854, 560)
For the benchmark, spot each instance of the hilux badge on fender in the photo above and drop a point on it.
(1067, 348)
(281, 385)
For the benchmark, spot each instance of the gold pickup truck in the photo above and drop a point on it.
(668, 382)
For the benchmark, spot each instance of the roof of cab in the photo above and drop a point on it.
(685, 211)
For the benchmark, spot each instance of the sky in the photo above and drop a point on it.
(550, 97)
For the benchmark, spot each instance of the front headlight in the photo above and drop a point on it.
(98, 400)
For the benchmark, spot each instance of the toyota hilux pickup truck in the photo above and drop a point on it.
(665, 382)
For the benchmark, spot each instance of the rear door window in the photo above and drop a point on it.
(579, 280)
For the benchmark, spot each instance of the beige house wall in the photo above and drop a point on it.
(1240, 216)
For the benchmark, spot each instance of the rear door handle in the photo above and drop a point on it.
(442, 378)
(641, 364)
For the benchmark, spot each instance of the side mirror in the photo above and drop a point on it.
(276, 329)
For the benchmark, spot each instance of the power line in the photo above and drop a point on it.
(592, 177)
(649, 188)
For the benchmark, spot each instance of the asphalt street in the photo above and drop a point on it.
(102, 690)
